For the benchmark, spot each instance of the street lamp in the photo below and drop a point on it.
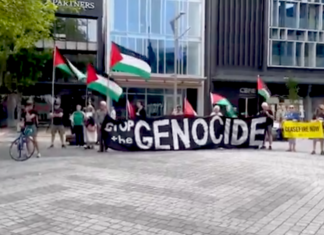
(174, 27)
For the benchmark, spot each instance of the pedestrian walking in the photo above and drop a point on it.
(319, 117)
(267, 112)
(99, 118)
(57, 124)
(294, 116)
(78, 120)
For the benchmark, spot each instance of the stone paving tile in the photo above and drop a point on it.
(241, 192)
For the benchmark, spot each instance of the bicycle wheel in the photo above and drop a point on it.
(22, 148)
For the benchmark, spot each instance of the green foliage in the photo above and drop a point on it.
(293, 90)
(25, 67)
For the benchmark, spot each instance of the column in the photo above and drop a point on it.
(201, 99)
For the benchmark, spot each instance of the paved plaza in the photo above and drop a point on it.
(223, 192)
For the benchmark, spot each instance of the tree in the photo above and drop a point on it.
(293, 90)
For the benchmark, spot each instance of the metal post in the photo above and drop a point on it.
(176, 46)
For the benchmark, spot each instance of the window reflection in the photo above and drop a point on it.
(120, 14)
(320, 55)
(92, 30)
(133, 16)
(156, 6)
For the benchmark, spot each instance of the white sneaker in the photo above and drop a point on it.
(38, 155)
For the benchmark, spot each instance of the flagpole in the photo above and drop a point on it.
(53, 78)
(108, 48)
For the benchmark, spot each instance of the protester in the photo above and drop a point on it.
(319, 116)
(99, 118)
(78, 119)
(140, 113)
(57, 124)
(294, 116)
(30, 122)
(177, 111)
(216, 111)
(89, 111)
(91, 133)
(267, 112)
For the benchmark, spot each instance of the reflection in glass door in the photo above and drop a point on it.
(168, 105)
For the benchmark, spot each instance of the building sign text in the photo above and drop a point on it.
(79, 4)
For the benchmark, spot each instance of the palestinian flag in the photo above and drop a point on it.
(66, 66)
(263, 89)
(130, 110)
(129, 63)
(220, 100)
(103, 85)
(187, 109)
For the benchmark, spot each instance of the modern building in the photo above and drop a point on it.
(275, 39)
(78, 33)
(143, 28)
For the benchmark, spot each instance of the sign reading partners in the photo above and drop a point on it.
(312, 130)
(178, 133)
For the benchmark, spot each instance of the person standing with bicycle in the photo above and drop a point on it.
(30, 122)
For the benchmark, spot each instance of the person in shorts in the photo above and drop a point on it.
(29, 122)
(267, 112)
(318, 116)
(57, 124)
(294, 116)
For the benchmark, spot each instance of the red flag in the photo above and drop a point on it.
(115, 55)
(91, 74)
(187, 109)
(130, 110)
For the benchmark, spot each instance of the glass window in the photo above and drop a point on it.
(169, 56)
(291, 15)
(143, 16)
(120, 15)
(161, 57)
(182, 67)
(152, 54)
(136, 90)
(140, 46)
(155, 91)
(169, 15)
(60, 28)
(275, 11)
(320, 55)
(75, 30)
(131, 44)
(278, 52)
(303, 18)
(193, 58)
(156, 6)
(194, 17)
(83, 29)
(313, 16)
(92, 30)
(155, 105)
(290, 53)
(133, 16)
(307, 64)
(299, 54)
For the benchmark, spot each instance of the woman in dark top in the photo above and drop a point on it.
(140, 113)
(30, 122)
(266, 112)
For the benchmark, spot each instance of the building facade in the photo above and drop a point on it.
(275, 39)
(143, 27)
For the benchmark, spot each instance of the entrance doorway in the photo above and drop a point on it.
(168, 103)
(248, 107)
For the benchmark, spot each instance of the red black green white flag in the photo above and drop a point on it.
(263, 89)
(216, 99)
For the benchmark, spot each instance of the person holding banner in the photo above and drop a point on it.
(216, 111)
(292, 115)
(140, 113)
(266, 112)
(318, 116)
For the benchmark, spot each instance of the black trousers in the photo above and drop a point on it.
(79, 137)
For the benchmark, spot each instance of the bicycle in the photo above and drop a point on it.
(22, 143)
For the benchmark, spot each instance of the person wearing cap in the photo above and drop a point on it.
(292, 115)
(57, 124)
(30, 121)
(99, 119)
(267, 112)
(319, 116)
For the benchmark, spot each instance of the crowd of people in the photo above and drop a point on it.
(86, 124)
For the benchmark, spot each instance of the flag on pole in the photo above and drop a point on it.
(106, 87)
(130, 110)
(263, 89)
(60, 62)
(129, 64)
(91, 74)
(220, 100)
(187, 109)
